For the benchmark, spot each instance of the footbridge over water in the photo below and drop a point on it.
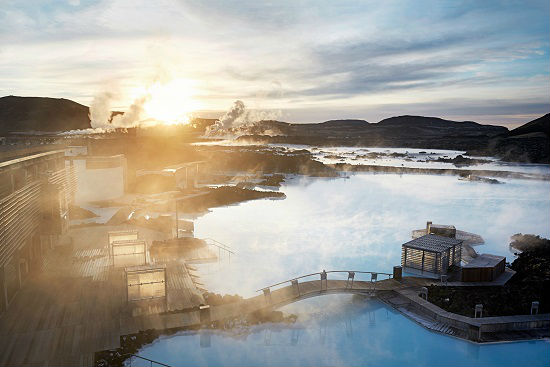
(327, 282)
(272, 297)
(307, 286)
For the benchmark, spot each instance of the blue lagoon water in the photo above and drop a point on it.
(360, 222)
(354, 223)
(338, 331)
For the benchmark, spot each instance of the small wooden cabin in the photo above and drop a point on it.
(431, 255)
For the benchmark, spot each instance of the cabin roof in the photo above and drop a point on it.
(485, 261)
(446, 226)
(433, 243)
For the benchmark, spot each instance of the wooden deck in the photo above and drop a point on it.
(61, 320)
(75, 304)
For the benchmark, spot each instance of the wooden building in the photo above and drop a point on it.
(431, 255)
(483, 268)
(35, 193)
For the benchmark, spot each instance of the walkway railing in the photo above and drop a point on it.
(323, 276)
(151, 362)
(221, 247)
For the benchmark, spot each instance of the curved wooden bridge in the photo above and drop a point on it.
(307, 286)
(272, 296)
(344, 282)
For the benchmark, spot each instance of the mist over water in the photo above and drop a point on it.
(355, 223)
(338, 331)
(360, 222)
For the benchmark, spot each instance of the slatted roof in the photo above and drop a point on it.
(433, 243)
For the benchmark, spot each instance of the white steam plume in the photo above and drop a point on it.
(134, 116)
(100, 110)
(238, 120)
(101, 113)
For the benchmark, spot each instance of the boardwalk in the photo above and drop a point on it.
(75, 305)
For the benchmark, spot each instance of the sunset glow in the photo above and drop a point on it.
(171, 103)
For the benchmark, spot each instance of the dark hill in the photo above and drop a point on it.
(400, 131)
(527, 143)
(344, 123)
(542, 124)
(436, 124)
(41, 114)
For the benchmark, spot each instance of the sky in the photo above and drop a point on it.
(297, 61)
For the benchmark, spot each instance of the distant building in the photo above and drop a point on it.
(441, 230)
(431, 255)
(98, 177)
(186, 175)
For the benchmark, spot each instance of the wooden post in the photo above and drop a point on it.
(267, 295)
(177, 222)
(397, 272)
(204, 314)
(478, 311)
(324, 277)
(422, 260)
(296, 286)
(534, 308)
(424, 293)
(453, 262)
(351, 275)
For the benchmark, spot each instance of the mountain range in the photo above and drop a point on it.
(529, 142)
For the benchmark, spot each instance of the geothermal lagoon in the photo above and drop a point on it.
(355, 222)
(337, 331)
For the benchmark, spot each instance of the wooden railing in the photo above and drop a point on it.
(151, 362)
(220, 246)
(323, 275)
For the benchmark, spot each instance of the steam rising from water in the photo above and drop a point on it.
(101, 110)
(102, 121)
(238, 120)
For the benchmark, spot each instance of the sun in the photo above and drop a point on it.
(171, 103)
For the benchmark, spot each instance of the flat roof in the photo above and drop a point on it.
(484, 261)
(432, 243)
(446, 226)
(145, 268)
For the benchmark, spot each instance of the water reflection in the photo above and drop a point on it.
(338, 330)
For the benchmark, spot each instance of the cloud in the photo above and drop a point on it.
(346, 56)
